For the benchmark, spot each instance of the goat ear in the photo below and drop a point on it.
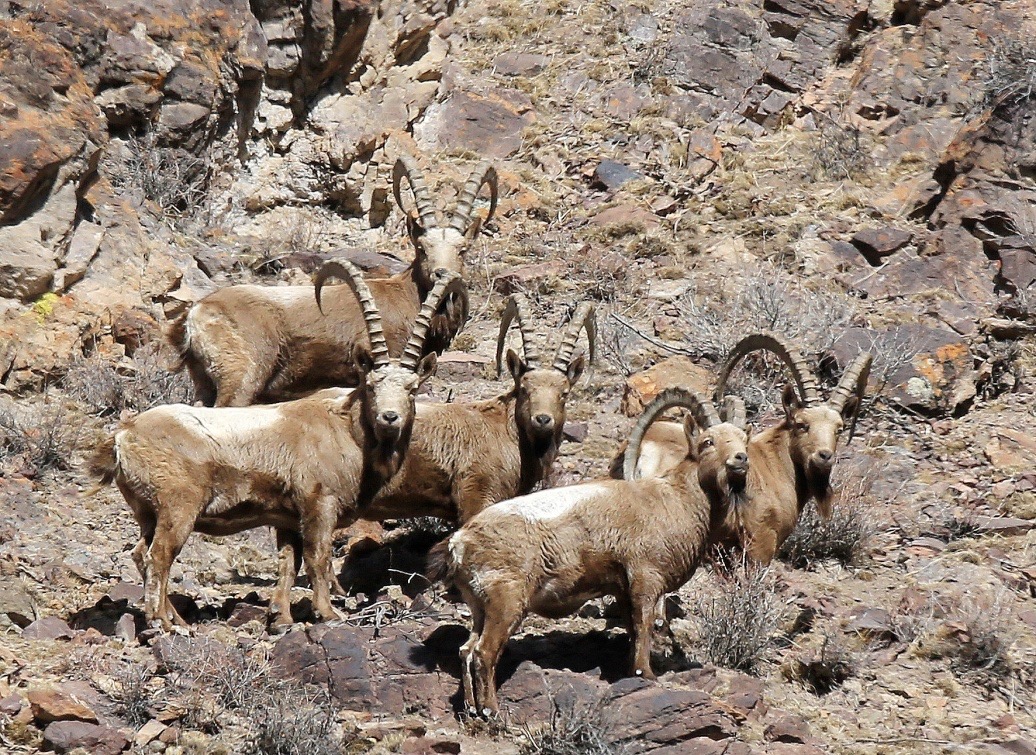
(851, 405)
(575, 369)
(362, 357)
(690, 429)
(516, 365)
(790, 399)
(426, 367)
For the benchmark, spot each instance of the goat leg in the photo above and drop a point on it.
(289, 560)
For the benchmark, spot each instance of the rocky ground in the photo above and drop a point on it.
(852, 174)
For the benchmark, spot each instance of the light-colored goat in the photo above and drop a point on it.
(246, 343)
(791, 463)
(464, 457)
(299, 466)
(551, 551)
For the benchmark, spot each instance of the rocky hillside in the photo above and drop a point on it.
(852, 174)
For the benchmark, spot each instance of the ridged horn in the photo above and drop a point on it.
(702, 410)
(484, 173)
(407, 167)
(353, 276)
(585, 317)
(447, 284)
(734, 411)
(804, 380)
(852, 382)
(516, 305)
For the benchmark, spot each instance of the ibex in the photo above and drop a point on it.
(551, 551)
(300, 466)
(791, 463)
(242, 344)
(464, 457)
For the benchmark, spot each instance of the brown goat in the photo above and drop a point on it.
(551, 551)
(791, 463)
(464, 457)
(298, 466)
(246, 343)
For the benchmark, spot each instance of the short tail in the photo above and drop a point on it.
(441, 565)
(103, 464)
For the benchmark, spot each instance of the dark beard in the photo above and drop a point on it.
(818, 485)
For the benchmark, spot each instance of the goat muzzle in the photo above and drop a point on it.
(823, 460)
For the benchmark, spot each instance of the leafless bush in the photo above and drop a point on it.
(572, 729)
(107, 388)
(1010, 73)
(173, 178)
(983, 652)
(842, 150)
(43, 434)
(134, 694)
(232, 676)
(293, 721)
(841, 538)
(297, 231)
(829, 669)
(738, 620)
(616, 341)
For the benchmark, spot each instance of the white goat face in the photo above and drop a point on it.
(440, 249)
(722, 455)
(390, 397)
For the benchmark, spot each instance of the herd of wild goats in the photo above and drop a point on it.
(314, 464)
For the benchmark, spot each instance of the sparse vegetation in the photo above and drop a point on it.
(173, 178)
(134, 694)
(43, 435)
(293, 721)
(107, 388)
(828, 670)
(1010, 73)
(571, 729)
(842, 150)
(737, 619)
(842, 538)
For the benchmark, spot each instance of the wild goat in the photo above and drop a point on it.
(551, 551)
(464, 457)
(791, 463)
(246, 343)
(298, 466)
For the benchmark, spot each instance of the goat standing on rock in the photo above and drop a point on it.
(791, 463)
(551, 551)
(246, 343)
(300, 466)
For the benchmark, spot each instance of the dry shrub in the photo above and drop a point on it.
(1010, 74)
(842, 150)
(738, 620)
(173, 178)
(134, 697)
(842, 538)
(44, 435)
(107, 388)
(294, 721)
(828, 670)
(571, 729)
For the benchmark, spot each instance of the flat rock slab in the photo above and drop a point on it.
(63, 736)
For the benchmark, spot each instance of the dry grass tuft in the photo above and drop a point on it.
(173, 178)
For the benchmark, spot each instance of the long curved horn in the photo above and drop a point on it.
(734, 411)
(353, 276)
(407, 167)
(516, 305)
(585, 317)
(448, 283)
(484, 173)
(853, 382)
(702, 410)
(807, 384)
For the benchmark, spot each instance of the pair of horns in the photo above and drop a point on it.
(852, 383)
(516, 307)
(484, 173)
(702, 410)
(447, 284)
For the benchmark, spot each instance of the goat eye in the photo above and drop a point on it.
(708, 443)
(803, 427)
